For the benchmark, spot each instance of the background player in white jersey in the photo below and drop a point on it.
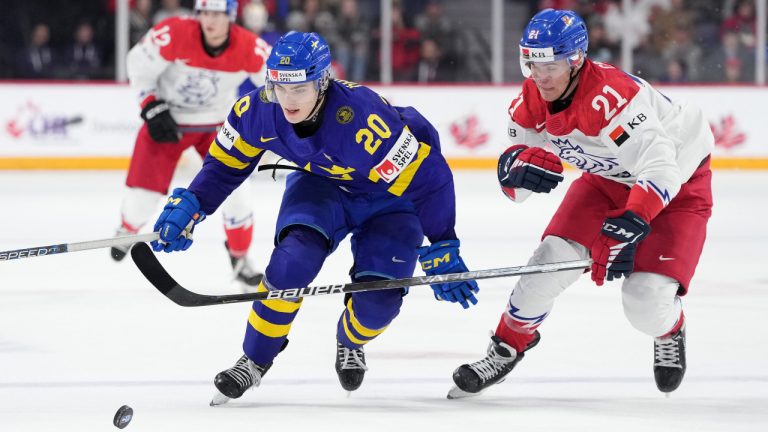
(188, 72)
(640, 208)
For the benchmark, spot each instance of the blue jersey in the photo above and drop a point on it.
(364, 145)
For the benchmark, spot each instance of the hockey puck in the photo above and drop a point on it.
(123, 416)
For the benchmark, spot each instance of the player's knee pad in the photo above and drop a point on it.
(547, 286)
(138, 206)
(376, 309)
(650, 302)
(297, 259)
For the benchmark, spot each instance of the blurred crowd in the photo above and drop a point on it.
(433, 40)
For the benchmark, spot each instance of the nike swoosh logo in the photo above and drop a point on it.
(540, 125)
(663, 258)
(395, 260)
(267, 139)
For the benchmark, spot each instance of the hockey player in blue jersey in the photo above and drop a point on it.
(368, 169)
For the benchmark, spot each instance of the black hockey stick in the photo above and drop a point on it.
(74, 247)
(148, 264)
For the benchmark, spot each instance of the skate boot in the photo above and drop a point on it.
(233, 382)
(669, 361)
(119, 252)
(243, 271)
(350, 366)
(471, 379)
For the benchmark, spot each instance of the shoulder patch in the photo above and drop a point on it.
(345, 114)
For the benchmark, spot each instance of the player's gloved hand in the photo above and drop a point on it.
(531, 168)
(613, 253)
(162, 127)
(441, 258)
(177, 221)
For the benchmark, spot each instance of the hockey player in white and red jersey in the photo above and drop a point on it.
(188, 72)
(639, 210)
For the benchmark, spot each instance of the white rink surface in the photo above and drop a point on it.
(80, 335)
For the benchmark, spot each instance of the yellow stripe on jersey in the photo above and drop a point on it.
(220, 155)
(363, 330)
(267, 328)
(278, 305)
(247, 149)
(404, 179)
(349, 333)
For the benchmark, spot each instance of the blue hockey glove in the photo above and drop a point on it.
(177, 221)
(531, 168)
(613, 253)
(442, 258)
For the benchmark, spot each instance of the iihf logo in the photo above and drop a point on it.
(533, 34)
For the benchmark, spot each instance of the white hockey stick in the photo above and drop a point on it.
(74, 247)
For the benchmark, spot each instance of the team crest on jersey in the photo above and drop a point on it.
(263, 95)
(575, 155)
(345, 114)
(198, 89)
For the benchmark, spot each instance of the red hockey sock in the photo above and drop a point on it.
(239, 240)
(128, 227)
(517, 337)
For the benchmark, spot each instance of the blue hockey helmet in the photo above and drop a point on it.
(553, 35)
(296, 58)
(228, 6)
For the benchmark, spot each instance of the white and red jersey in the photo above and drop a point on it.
(170, 63)
(618, 127)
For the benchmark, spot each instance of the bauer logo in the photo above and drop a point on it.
(398, 157)
(294, 76)
(227, 136)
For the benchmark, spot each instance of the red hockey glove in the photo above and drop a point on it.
(613, 253)
(531, 168)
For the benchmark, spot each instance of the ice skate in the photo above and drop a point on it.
(350, 366)
(244, 273)
(669, 361)
(233, 382)
(472, 379)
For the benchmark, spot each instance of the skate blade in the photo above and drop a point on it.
(219, 399)
(457, 393)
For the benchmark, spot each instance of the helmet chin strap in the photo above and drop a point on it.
(571, 78)
(312, 116)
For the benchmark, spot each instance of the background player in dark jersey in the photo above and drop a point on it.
(369, 169)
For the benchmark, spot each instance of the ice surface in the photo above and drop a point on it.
(81, 335)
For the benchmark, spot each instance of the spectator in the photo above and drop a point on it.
(352, 46)
(82, 57)
(742, 22)
(433, 24)
(140, 20)
(433, 66)
(170, 8)
(600, 48)
(37, 60)
(682, 48)
(406, 49)
(676, 72)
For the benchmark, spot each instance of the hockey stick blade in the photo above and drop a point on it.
(151, 268)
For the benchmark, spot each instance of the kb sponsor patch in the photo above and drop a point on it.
(619, 135)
